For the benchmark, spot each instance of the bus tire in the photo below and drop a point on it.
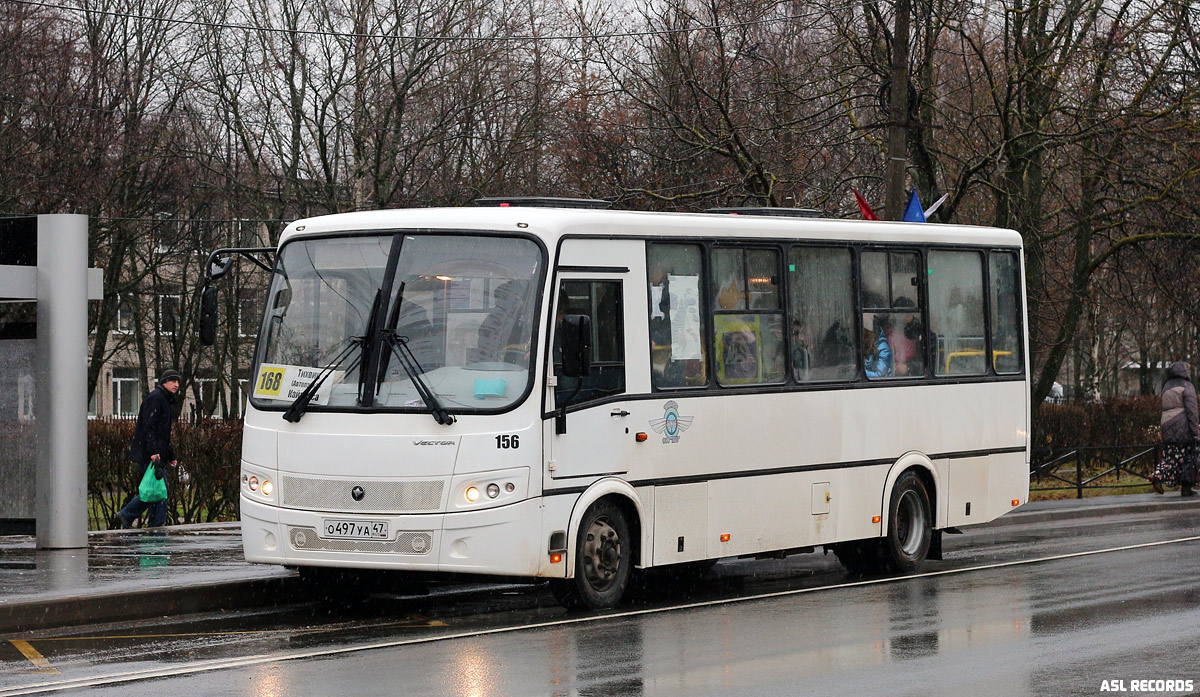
(603, 560)
(910, 525)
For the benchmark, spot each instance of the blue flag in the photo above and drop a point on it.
(914, 213)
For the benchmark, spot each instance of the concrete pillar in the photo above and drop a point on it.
(60, 405)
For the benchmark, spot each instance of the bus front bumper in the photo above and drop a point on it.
(498, 541)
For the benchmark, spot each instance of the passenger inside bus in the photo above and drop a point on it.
(904, 337)
(878, 361)
(413, 324)
(501, 335)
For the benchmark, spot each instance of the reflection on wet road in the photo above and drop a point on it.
(1055, 627)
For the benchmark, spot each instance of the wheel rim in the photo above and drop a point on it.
(910, 523)
(601, 554)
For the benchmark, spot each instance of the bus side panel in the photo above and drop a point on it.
(1009, 475)
(968, 496)
(556, 517)
(770, 512)
(680, 523)
(858, 497)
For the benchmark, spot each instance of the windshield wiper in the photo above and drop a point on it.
(296, 410)
(392, 322)
(365, 388)
(406, 359)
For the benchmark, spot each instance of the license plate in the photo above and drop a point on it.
(355, 529)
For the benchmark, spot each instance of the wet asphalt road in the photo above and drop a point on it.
(1054, 626)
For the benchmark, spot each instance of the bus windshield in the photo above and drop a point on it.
(461, 305)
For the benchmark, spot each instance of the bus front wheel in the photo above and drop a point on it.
(603, 560)
(910, 525)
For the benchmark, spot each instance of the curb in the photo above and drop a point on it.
(1020, 517)
(25, 617)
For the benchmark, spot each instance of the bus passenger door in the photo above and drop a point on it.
(599, 437)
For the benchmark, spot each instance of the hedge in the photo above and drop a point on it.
(203, 490)
(1116, 422)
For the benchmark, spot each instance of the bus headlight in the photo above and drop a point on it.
(257, 485)
(472, 492)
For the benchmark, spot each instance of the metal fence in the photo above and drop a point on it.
(1100, 467)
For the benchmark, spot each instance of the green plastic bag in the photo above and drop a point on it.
(152, 489)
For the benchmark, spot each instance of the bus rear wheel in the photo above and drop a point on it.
(603, 560)
(910, 525)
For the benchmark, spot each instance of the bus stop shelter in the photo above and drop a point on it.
(43, 375)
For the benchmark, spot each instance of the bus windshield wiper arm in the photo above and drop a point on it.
(296, 410)
(412, 368)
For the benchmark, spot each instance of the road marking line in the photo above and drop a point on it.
(247, 632)
(226, 663)
(38, 660)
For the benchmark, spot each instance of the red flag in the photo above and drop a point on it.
(867, 213)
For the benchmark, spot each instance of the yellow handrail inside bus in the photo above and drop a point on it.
(974, 352)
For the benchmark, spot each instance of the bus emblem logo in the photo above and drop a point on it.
(671, 424)
(357, 493)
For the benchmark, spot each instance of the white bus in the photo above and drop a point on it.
(561, 392)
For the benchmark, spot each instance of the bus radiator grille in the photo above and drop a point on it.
(380, 496)
(306, 539)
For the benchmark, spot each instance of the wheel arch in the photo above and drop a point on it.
(622, 495)
(925, 469)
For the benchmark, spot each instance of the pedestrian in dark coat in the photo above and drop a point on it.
(1180, 429)
(151, 446)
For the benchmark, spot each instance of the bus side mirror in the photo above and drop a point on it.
(208, 315)
(218, 267)
(576, 346)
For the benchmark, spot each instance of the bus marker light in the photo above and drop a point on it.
(1016, 502)
(640, 437)
(472, 494)
(725, 537)
(555, 558)
(875, 519)
(510, 487)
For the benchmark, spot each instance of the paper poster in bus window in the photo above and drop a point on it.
(738, 347)
(685, 317)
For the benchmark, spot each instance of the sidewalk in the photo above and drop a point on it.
(138, 574)
(132, 574)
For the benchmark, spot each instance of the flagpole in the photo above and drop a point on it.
(897, 161)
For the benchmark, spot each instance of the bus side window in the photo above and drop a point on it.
(821, 313)
(1005, 276)
(893, 341)
(747, 316)
(956, 312)
(677, 340)
(600, 300)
